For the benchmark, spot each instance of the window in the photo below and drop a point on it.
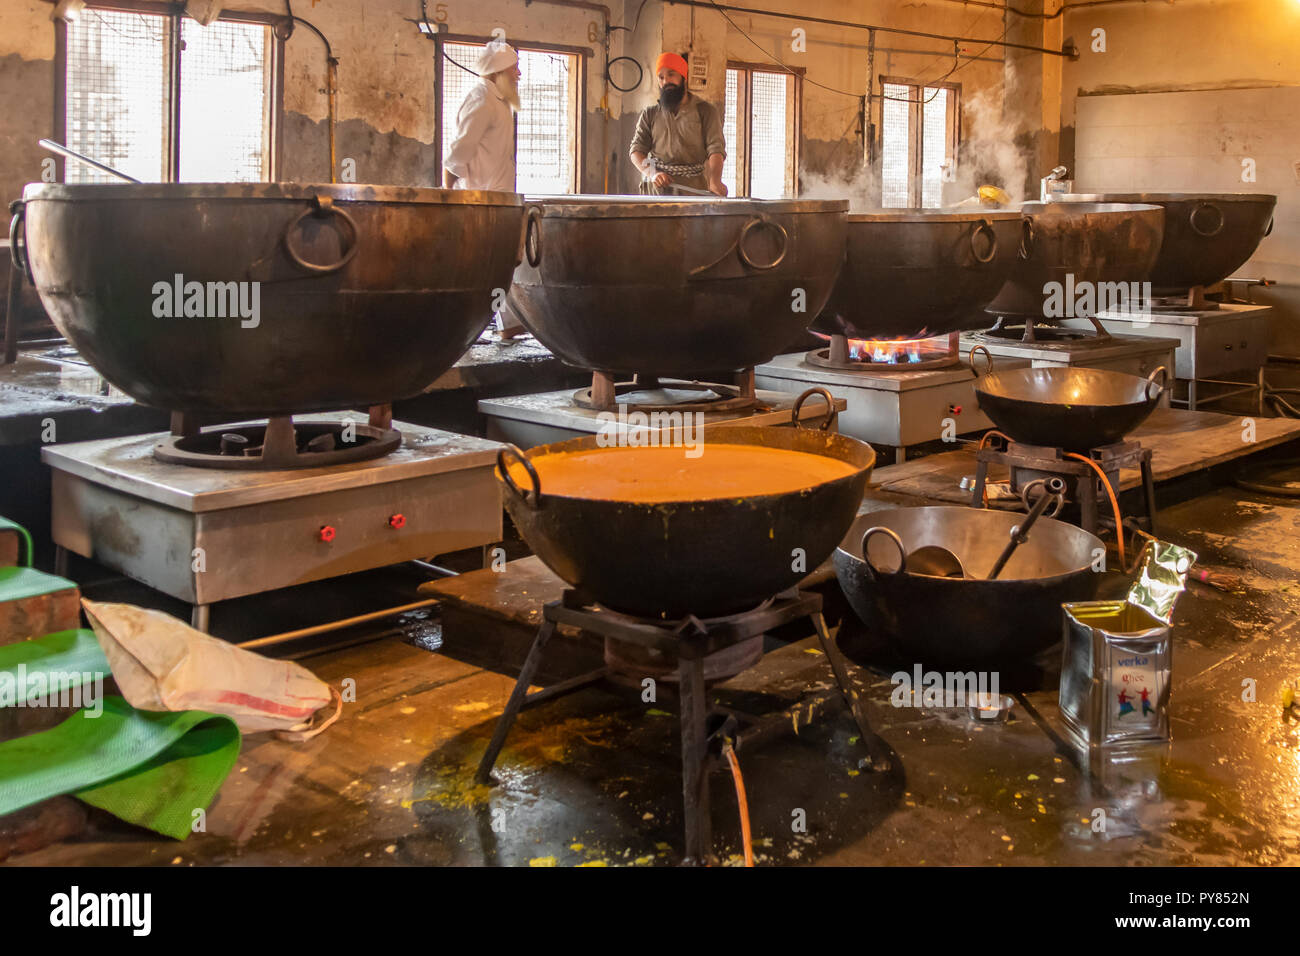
(120, 106)
(546, 126)
(918, 136)
(760, 122)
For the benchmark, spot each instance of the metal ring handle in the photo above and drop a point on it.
(536, 497)
(744, 231)
(1053, 486)
(986, 228)
(18, 224)
(1191, 219)
(1028, 239)
(831, 413)
(987, 355)
(1151, 379)
(533, 236)
(898, 542)
(321, 206)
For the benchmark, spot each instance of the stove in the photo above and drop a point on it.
(545, 417)
(1134, 354)
(1213, 344)
(204, 534)
(897, 393)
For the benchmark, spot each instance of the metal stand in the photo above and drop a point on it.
(702, 730)
(1028, 462)
(1194, 400)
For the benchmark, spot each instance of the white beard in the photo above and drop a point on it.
(509, 90)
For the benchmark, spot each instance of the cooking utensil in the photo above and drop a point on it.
(1077, 409)
(1207, 236)
(911, 273)
(1090, 242)
(62, 150)
(707, 557)
(364, 294)
(693, 191)
(1053, 494)
(674, 285)
(949, 623)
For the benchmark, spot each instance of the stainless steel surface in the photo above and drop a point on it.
(674, 285)
(259, 531)
(364, 294)
(1092, 242)
(914, 273)
(1131, 354)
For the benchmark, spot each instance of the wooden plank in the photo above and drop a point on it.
(1181, 442)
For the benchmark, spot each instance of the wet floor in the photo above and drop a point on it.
(593, 778)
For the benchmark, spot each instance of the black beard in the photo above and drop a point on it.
(671, 96)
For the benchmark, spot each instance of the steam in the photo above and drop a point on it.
(988, 155)
(859, 185)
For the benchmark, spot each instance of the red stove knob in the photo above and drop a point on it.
(326, 532)
(397, 521)
(954, 409)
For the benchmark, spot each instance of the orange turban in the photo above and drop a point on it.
(673, 62)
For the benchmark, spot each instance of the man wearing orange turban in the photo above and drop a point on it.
(678, 141)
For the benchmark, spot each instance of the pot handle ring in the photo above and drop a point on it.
(744, 231)
(986, 228)
(1191, 219)
(1027, 238)
(533, 500)
(831, 414)
(1151, 380)
(988, 356)
(17, 225)
(1268, 230)
(533, 236)
(321, 207)
(898, 542)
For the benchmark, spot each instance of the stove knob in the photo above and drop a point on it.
(326, 532)
(397, 521)
(954, 409)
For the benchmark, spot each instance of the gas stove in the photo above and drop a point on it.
(1076, 348)
(203, 534)
(898, 393)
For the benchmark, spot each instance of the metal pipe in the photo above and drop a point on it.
(335, 625)
(331, 88)
(708, 5)
(438, 78)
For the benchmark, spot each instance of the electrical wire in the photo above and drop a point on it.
(640, 72)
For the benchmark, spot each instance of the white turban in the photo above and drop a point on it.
(497, 55)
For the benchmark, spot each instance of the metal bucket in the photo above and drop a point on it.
(912, 273)
(675, 286)
(364, 294)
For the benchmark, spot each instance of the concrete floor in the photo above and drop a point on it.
(592, 778)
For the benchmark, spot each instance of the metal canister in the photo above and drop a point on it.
(1116, 673)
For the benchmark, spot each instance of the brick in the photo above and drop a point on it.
(24, 618)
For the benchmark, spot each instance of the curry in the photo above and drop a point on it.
(652, 475)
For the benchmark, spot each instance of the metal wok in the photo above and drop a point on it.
(1207, 235)
(675, 285)
(1077, 409)
(706, 557)
(914, 273)
(943, 623)
(1088, 241)
(365, 294)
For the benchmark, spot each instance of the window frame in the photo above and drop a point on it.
(171, 89)
(581, 56)
(916, 133)
(742, 148)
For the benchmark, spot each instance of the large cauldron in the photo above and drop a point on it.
(948, 623)
(365, 294)
(675, 286)
(1091, 241)
(1207, 235)
(1077, 409)
(911, 273)
(706, 557)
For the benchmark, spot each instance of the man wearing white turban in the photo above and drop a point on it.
(482, 154)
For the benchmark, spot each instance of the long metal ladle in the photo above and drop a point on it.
(62, 150)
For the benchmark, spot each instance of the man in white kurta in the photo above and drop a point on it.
(482, 153)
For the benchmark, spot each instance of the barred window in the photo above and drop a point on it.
(760, 124)
(918, 136)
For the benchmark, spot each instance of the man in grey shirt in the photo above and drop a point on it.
(679, 140)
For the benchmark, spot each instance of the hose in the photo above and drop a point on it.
(1290, 489)
(1114, 503)
(730, 753)
(640, 73)
(983, 441)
